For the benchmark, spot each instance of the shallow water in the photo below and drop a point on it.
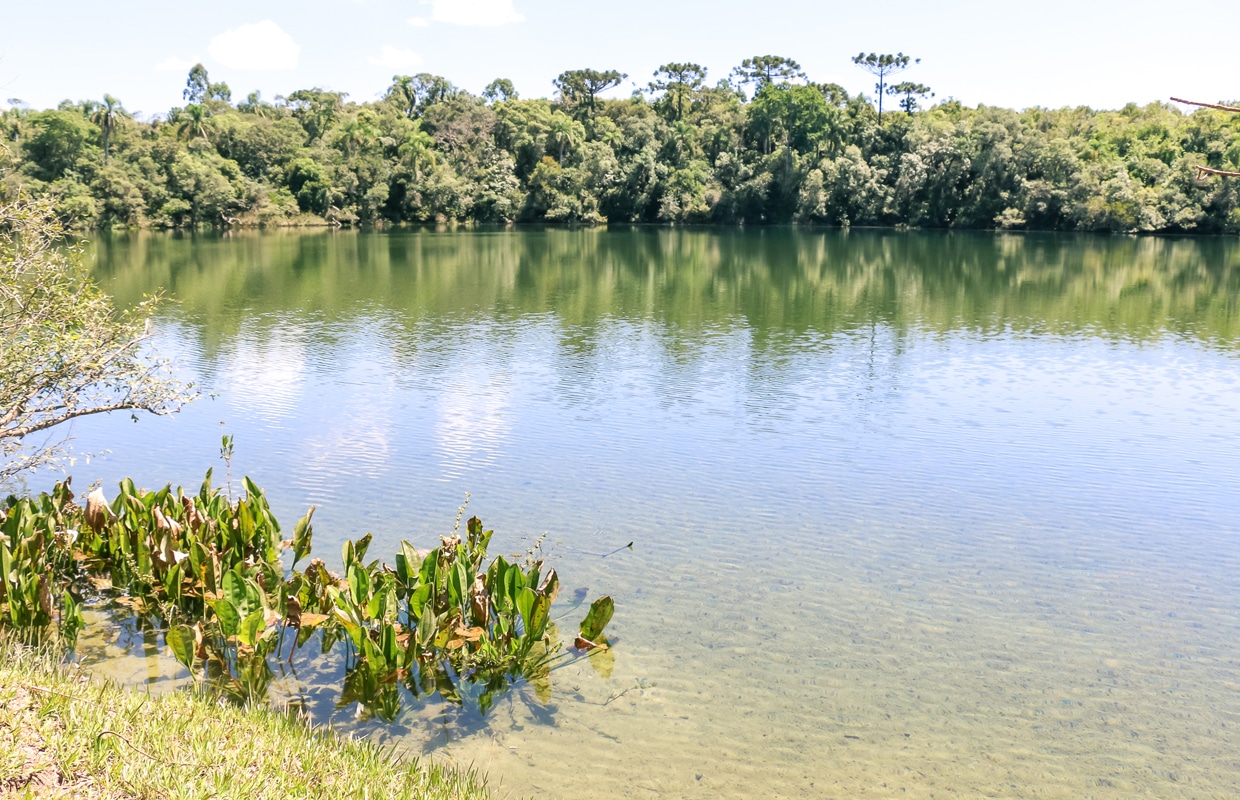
(917, 515)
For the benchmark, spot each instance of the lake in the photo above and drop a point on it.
(915, 515)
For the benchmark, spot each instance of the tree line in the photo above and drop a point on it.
(764, 145)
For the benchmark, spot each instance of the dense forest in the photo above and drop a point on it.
(764, 145)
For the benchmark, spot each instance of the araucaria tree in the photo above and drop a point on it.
(677, 82)
(65, 350)
(882, 67)
(580, 88)
(765, 70)
(909, 92)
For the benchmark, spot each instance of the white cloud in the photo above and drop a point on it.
(260, 46)
(475, 12)
(418, 22)
(175, 65)
(396, 58)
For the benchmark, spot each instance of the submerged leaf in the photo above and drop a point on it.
(602, 658)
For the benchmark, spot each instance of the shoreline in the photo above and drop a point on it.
(69, 735)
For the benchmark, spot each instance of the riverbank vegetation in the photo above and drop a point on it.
(764, 145)
(204, 570)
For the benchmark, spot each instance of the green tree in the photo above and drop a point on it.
(358, 132)
(197, 85)
(58, 140)
(764, 70)
(417, 151)
(500, 90)
(565, 134)
(308, 182)
(106, 117)
(796, 115)
(256, 105)
(579, 88)
(882, 67)
(909, 92)
(192, 121)
(678, 82)
(413, 94)
(316, 109)
(68, 352)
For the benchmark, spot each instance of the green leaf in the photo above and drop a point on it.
(251, 628)
(550, 586)
(525, 604)
(303, 531)
(597, 618)
(361, 546)
(252, 492)
(458, 585)
(427, 626)
(407, 564)
(181, 640)
(172, 583)
(539, 614)
(359, 584)
(429, 571)
(531, 577)
(513, 579)
(387, 640)
(418, 600)
(228, 616)
(246, 526)
(234, 591)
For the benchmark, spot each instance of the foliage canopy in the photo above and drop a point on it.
(765, 146)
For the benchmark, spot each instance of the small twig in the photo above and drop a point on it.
(621, 694)
(140, 751)
(1232, 109)
(59, 694)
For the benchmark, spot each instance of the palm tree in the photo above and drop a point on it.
(416, 149)
(106, 117)
(193, 120)
(357, 132)
(565, 132)
(404, 94)
(13, 121)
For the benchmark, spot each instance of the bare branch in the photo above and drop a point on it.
(65, 416)
(1203, 171)
(1232, 109)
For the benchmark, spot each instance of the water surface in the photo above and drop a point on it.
(916, 515)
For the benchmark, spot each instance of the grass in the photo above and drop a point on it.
(65, 735)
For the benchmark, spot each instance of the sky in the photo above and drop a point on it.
(1100, 53)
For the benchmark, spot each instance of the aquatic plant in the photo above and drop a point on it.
(208, 570)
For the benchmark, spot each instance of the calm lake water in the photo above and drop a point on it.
(914, 515)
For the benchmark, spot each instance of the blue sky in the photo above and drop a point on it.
(1101, 53)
